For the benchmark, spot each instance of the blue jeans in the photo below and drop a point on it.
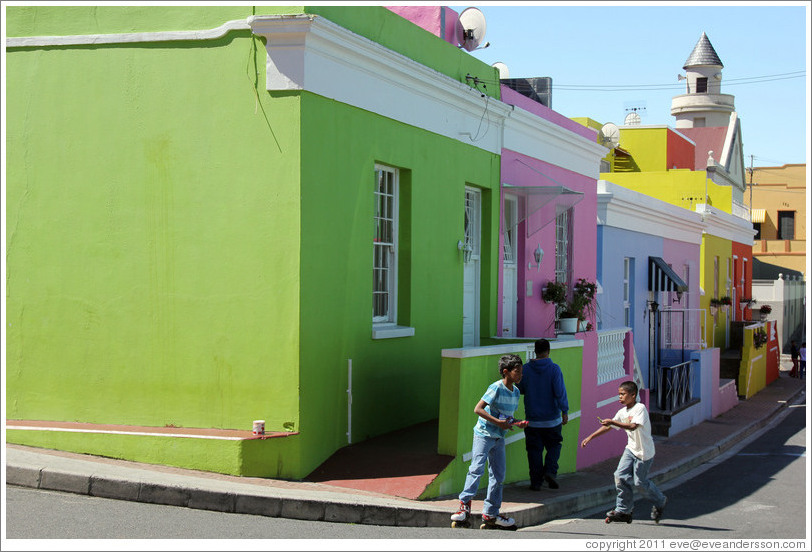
(492, 450)
(536, 441)
(632, 471)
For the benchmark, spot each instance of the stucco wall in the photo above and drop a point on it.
(153, 248)
(394, 381)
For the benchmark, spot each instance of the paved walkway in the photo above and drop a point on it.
(309, 500)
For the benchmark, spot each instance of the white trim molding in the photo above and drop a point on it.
(125, 38)
(726, 226)
(621, 207)
(535, 137)
(308, 52)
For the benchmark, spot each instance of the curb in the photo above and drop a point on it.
(222, 497)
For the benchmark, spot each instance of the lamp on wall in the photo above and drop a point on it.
(538, 254)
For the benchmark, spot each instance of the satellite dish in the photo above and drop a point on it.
(609, 135)
(632, 119)
(504, 73)
(471, 28)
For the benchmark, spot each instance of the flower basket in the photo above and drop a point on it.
(759, 338)
(764, 311)
(555, 293)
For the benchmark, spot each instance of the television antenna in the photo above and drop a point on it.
(632, 119)
(471, 29)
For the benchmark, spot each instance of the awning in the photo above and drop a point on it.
(662, 277)
(540, 205)
(757, 215)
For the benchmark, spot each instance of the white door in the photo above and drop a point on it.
(509, 273)
(470, 288)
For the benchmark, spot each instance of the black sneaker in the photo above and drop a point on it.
(657, 511)
(553, 484)
(535, 487)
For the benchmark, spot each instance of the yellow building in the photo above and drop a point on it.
(778, 205)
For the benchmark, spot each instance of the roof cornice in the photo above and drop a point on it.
(621, 207)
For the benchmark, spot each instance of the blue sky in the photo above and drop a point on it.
(584, 46)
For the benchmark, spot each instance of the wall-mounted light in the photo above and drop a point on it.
(538, 254)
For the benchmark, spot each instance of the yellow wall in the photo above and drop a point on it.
(713, 247)
(682, 187)
(780, 189)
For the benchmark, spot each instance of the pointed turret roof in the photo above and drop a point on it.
(703, 54)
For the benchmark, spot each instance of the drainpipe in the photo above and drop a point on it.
(349, 401)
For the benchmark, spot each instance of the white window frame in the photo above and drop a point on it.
(384, 325)
(562, 247)
(627, 305)
(385, 247)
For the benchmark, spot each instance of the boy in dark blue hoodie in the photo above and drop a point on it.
(545, 407)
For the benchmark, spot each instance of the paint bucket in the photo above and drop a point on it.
(259, 427)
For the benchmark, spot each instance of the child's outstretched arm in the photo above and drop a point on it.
(605, 426)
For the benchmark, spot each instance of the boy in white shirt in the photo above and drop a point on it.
(635, 463)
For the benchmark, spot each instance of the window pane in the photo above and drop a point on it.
(384, 244)
(786, 225)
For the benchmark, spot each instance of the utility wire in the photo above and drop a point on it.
(643, 87)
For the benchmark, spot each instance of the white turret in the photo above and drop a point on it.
(702, 104)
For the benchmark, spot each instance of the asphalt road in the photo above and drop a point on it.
(755, 491)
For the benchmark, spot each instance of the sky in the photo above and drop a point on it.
(605, 58)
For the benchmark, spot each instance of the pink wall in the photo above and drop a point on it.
(610, 445)
(535, 317)
(678, 254)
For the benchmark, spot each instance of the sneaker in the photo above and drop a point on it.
(463, 513)
(535, 487)
(499, 519)
(551, 481)
(657, 511)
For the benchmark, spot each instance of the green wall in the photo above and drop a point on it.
(395, 382)
(152, 237)
(186, 249)
(464, 381)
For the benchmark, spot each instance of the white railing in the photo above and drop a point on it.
(684, 327)
(611, 355)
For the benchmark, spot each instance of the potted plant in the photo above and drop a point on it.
(759, 338)
(765, 310)
(577, 308)
(555, 293)
(714, 305)
(745, 302)
(725, 301)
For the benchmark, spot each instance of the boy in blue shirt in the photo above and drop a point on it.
(545, 406)
(495, 410)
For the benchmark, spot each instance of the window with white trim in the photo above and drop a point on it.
(627, 296)
(385, 244)
(563, 231)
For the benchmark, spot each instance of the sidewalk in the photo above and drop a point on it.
(592, 487)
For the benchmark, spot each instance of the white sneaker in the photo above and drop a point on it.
(500, 520)
(463, 513)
